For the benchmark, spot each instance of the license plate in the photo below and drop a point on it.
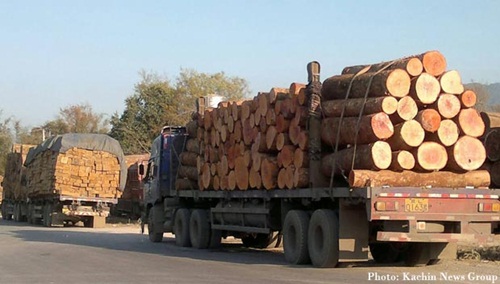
(416, 205)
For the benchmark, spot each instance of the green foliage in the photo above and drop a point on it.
(5, 141)
(156, 103)
(79, 118)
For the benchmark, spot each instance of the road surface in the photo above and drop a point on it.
(35, 254)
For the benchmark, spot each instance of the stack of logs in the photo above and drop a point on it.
(251, 144)
(14, 183)
(491, 140)
(405, 123)
(76, 173)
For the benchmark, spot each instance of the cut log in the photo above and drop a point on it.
(282, 124)
(425, 88)
(278, 94)
(430, 119)
(241, 173)
(495, 174)
(434, 62)
(303, 140)
(231, 181)
(188, 159)
(270, 117)
(431, 156)
(447, 133)
(259, 144)
(301, 178)
(193, 145)
(467, 154)
(246, 110)
(224, 182)
(216, 183)
(407, 135)
(402, 160)
(264, 104)
(223, 166)
(289, 177)
(468, 99)
(300, 158)
(393, 82)
(281, 179)
(372, 127)
(271, 134)
(491, 119)
(189, 172)
(192, 128)
(254, 179)
(352, 107)
(376, 156)
(301, 116)
(206, 177)
(185, 184)
(407, 109)
(448, 105)
(295, 88)
(248, 132)
(451, 82)
(412, 65)
(470, 122)
(269, 173)
(365, 178)
(492, 144)
(257, 159)
(294, 133)
(302, 97)
(282, 139)
(286, 156)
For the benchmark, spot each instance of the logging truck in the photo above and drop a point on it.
(350, 184)
(66, 179)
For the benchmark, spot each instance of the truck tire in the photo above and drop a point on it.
(181, 227)
(199, 229)
(215, 239)
(295, 237)
(154, 235)
(47, 215)
(323, 238)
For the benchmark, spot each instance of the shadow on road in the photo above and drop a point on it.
(139, 243)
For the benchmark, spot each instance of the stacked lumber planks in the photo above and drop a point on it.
(75, 173)
(254, 144)
(407, 122)
(14, 183)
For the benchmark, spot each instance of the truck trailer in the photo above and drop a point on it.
(70, 178)
(325, 220)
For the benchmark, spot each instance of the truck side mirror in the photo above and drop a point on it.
(141, 169)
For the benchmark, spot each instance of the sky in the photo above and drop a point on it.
(59, 53)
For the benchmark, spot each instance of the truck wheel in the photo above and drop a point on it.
(181, 227)
(295, 237)
(154, 236)
(323, 238)
(418, 255)
(47, 215)
(199, 229)
(215, 239)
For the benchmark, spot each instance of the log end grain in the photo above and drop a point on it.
(471, 123)
(398, 83)
(448, 132)
(468, 99)
(469, 153)
(434, 63)
(448, 105)
(414, 67)
(432, 156)
(430, 119)
(407, 108)
(427, 88)
(451, 82)
(382, 126)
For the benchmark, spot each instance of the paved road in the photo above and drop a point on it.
(31, 254)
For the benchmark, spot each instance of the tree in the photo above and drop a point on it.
(5, 141)
(156, 103)
(79, 118)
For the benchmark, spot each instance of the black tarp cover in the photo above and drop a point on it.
(93, 142)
